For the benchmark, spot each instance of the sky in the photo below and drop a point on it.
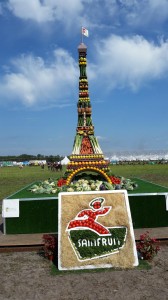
(127, 54)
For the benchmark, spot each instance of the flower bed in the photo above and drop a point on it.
(52, 186)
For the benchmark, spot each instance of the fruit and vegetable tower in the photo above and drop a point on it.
(87, 154)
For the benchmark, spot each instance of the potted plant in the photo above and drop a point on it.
(147, 247)
(50, 244)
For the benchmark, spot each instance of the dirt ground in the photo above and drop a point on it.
(27, 275)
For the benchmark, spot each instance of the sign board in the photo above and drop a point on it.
(95, 231)
(10, 208)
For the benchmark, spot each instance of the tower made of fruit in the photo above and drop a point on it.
(87, 154)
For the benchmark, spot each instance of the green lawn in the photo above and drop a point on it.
(13, 179)
(154, 173)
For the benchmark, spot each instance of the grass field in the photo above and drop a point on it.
(13, 179)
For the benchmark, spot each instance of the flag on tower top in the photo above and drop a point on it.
(85, 31)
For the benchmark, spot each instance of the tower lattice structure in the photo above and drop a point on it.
(86, 154)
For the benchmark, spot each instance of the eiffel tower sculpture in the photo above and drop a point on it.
(86, 154)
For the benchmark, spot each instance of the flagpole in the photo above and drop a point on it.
(82, 35)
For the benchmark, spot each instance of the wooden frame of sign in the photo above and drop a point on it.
(95, 231)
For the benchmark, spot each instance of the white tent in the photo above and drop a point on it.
(65, 161)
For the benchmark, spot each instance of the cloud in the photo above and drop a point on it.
(129, 61)
(45, 10)
(137, 14)
(101, 138)
(147, 10)
(72, 13)
(34, 81)
(119, 62)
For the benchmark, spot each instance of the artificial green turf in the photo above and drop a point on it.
(39, 216)
(147, 211)
(147, 187)
(143, 187)
(143, 265)
(25, 193)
